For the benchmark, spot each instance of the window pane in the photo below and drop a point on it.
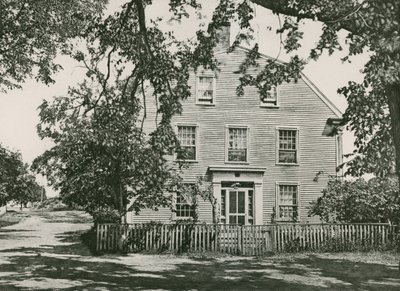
(232, 219)
(237, 155)
(184, 207)
(287, 139)
(241, 220)
(223, 206)
(271, 97)
(187, 153)
(240, 202)
(237, 144)
(232, 202)
(187, 140)
(250, 207)
(288, 196)
(205, 90)
(287, 157)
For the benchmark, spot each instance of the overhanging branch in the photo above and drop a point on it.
(325, 15)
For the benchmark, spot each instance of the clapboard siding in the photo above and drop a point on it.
(299, 106)
(164, 214)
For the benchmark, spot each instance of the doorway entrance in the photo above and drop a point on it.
(237, 205)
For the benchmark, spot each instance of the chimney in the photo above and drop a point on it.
(224, 37)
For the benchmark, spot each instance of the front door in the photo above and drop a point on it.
(237, 206)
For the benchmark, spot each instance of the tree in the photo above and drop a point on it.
(359, 201)
(102, 159)
(130, 59)
(33, 32)
(16, 182)
(373, 113)
(10, 169)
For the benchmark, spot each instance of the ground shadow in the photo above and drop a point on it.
(70, 243)
(76, 272)
(63, 216)
(69, 265)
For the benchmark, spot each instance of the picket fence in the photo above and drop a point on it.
(246, 239)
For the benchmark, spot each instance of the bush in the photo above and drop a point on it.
(359, 201)
(53, 204)
(105, 215)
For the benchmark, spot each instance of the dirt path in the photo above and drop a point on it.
(43, 230)
(44, 252)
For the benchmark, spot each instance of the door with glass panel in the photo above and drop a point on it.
(237, 206)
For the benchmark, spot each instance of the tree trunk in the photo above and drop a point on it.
(393, 93)
(122, 206)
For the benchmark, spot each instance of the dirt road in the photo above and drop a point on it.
(44, 252)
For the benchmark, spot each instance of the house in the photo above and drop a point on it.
(260, 155)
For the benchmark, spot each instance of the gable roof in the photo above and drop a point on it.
(306, 80)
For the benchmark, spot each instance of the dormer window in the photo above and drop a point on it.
(205, 89)
(271, 99)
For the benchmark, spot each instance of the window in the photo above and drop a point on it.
(187, 140)
(237, 145)
(287, 146)
(287, 208)
(205, 91)
(184, 206)
(271, 99)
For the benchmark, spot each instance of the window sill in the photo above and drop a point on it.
(237, 163)
(205, 104)
(269, 106)
(287, 164)
(187, 161)
(286, 221)
(181, 218)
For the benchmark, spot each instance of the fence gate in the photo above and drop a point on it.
(245, 239)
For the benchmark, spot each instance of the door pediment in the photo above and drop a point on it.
(237, 173)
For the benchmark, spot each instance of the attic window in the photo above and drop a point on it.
(271, 99)
(205, 89)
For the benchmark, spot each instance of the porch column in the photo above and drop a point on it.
(217, 195)
(258, 203)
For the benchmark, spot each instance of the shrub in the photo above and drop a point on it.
(106, 215)
(359, 201)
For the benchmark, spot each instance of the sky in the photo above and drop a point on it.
(18, 108)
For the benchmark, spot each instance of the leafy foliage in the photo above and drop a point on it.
(102, 159)
(202, 189)
(356, 201)
(32, 32)
(373, 112)
(16, 182)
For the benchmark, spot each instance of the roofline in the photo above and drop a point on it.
(313, 87)
(263, 55)
(322, 96)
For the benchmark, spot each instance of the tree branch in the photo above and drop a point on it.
(325, 16)
(142, 27)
